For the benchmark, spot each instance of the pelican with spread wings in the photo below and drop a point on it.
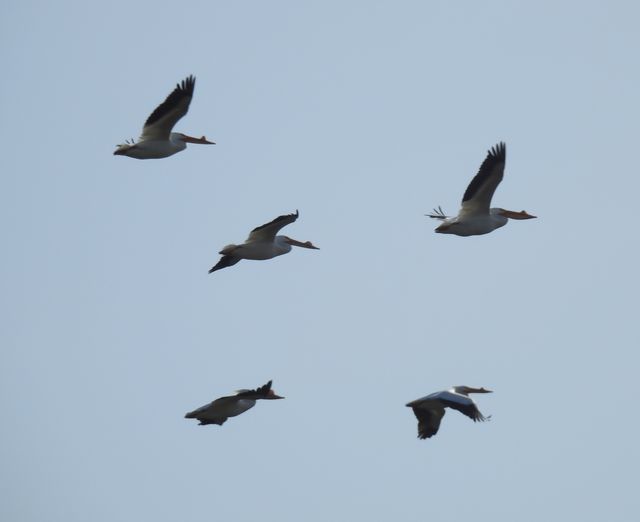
(475, 217)
(430, 409)
(218, 411)
(157, 140)
(262, 243)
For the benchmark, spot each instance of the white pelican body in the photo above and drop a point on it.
(430, 409)
(475, 217)
(157, 140)
(262, 244)
(260, 250)
(218, 411)
(155, 149)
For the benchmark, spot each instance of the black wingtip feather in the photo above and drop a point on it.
(187, 85)
(225, 261)
(184, 89)
(261, 390)
(279, 219)
(495, 155)
(264, 390)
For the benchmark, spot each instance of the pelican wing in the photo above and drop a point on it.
(222, 408)
(477, 197)
(428, 420)
(224, 262)
(268, 231)
(262, 391)
(462, 403)
(158, 126)
(211, 413)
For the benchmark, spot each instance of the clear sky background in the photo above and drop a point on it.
(364, 116)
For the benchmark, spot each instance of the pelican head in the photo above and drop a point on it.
(512, 214)
(190, 139)
(466, 390)
(306, 244)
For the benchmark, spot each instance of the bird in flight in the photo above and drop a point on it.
(262, 243)
(218, 411)
(157, 140)
(475, 217)
(430, 409)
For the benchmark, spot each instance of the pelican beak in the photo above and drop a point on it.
(484, 390)
(201, 141)
(517, 215)
(306, 244)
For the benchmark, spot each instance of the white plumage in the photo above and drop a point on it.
(475, 217)
(157, 140)
(262, 243)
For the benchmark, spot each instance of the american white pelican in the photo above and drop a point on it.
(262, 243)
(475, 217)
(218, 411)
(430, 409)
(157, 140)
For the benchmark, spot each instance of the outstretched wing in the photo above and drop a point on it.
(428, 420)
(158, 126)
(477, 197)
(217, 420)
(208, 414)
(262, 391)
(463, 404)
(224, 262)
(268, 231)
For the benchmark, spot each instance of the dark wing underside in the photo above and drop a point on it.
(485, 182)
(172, 109)
(269, 230)
(469, 409)
(219, 421)
(224, 262)
(201, 415)
(428, 421)
(262, 391)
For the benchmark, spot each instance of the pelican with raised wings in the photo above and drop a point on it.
(262, 243)
(430, 409)
(475, 217)
(157, 140)
(218, 411)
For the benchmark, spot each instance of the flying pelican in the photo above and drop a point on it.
(475, 217)
(157, 140)
(430, 409)
(218, 411)
(262, 243)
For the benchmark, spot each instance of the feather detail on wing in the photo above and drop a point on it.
(464, 405)
(268, 231)
(477, 197)
(428, 421)
(224, 262)
(261, 391)
(158, 126)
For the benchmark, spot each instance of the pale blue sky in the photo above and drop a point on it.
(364, 116)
